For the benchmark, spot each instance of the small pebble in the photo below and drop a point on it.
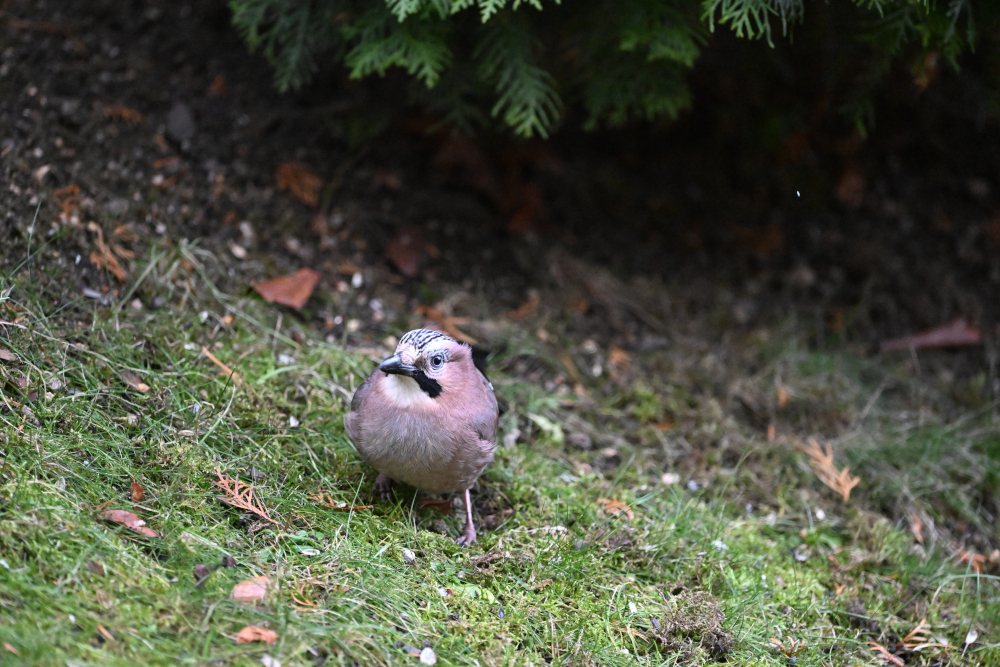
(428, 657)
(409, 556)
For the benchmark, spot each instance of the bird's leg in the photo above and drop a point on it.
(383, 487)
(469, 534)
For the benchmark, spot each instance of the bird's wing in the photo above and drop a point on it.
(485, 422)
(351, 420)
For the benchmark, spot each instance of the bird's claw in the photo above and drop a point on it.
(383, 487)
(468, 536)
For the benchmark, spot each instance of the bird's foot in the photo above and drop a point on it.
(383, 487)
(468, 536)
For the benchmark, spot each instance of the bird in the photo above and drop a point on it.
(427, 417)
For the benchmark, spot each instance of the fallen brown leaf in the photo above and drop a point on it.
(95, 567)
(137, 492)
(956, 333)
(239, 494)
(107, 635)
(218, 88)
(821, 462)
(10, 649)
(348, 268)
(291, 290)
(405, 250)
(438, 505)
(976, 561)
(526, 308)
(255, 633)
(130, 521)
(250, 590)
(300, 180)
(165, 161)
(449, 324)
(852, 187)
(124, 253)
(616, 507)
(7, 355)
(119, 111)
(133, 381)
(539, 585)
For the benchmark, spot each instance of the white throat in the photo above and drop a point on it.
(404, 392)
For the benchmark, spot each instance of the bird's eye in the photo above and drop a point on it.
(436, 361)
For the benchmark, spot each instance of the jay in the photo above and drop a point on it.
(427, 417)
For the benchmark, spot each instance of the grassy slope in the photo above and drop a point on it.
(560, 580)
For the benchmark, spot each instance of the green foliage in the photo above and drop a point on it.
(526, 61)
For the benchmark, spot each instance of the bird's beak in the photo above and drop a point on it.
(395, 366)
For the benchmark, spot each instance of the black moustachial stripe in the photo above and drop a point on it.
(431, 387)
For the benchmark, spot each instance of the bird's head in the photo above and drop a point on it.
(428, 357)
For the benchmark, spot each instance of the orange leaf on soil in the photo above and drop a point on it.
(526, 308)
(852, 187)
(405, 250)
(255, 633)
(137, 492)
(219, 88)
(165, 162)
(448, 324)
(104, 631)
(976, 561)
(119, 111)
(250, 590)
(616, 507)
(130, 521)
(300, 180)
(954, 334)
(437, 504)
(292, 290)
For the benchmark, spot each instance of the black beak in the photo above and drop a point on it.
(395, 366)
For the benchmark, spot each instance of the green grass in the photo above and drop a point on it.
(557, 579)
